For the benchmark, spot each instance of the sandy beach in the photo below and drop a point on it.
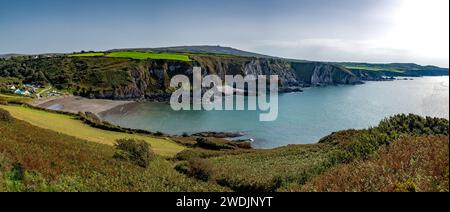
(75, 104)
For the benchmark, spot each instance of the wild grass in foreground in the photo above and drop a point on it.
(404, 153)
(408, 165)
(292, 167)
(36, 159)
(70, 125)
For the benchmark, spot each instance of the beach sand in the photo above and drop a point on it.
(75, 104)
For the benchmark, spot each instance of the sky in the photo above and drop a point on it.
(377, 31)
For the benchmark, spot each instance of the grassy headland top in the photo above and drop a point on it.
(136, 55)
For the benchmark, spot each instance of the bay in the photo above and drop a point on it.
(303, 118)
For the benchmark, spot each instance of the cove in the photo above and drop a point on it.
(303, 117)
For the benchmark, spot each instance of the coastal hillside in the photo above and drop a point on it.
(210, 50)
(410, 152)
(33, 159)
(135, 74)
(141, 75)
(369, 71)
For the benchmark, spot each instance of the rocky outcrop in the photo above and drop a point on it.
(149, 80)
(326, 74)
(320, 74)
(291, 74)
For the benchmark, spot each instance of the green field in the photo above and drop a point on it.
(367, 68)
(150, 55)
(137, 55)
(71, 126)
(89, 54)
(12, 98)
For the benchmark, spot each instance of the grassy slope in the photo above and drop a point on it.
(417, 162)
(36, 159)
(71, 126)
(410, 164)
(290, 168)
(295, 167)
(262, 169)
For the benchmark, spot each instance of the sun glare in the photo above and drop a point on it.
(421, 27)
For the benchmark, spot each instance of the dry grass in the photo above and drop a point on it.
(36, 159)
(409, 164)
(71, 126)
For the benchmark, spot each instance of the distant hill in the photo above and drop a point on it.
(202, 50)
(7, 56)
(397, 69)
(10, 55)
(360, 69)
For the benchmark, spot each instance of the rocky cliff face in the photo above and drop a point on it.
(291, 74)
(119, 78)
(325, 74)
(150, 80)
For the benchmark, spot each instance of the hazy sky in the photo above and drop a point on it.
(326, 30)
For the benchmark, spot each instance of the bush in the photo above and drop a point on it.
(359, 147)
(199, 169)
(183, 167)
(5, 116)
(158, 134)
(188, 154)
(207, 144)
(414, 125)
(408, 186)
(243, 144)
(137, 152)
(252, 186)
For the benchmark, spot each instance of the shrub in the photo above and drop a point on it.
(414, 125)
(188, 154)
(207, 144)
(182, 167)
(252, 186)
(5, 116)
(408, 186)
(199, 169)
(137, 152)
(243, 144)
(158, 134)
(361, 146)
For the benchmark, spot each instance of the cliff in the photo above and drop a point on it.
(120, 78)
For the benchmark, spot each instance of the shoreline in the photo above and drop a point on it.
(76, 104)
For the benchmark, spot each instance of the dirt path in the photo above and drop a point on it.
(45, 90)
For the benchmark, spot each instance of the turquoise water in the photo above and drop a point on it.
(303, 117)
